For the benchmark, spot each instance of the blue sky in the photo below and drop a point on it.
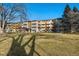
(42, 11)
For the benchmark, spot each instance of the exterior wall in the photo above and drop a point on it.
(13, 27)
(38, 26)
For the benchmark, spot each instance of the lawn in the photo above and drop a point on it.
(46, 44)
(58, 44)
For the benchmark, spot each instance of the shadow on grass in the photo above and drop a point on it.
(3, 40)
(19, 50)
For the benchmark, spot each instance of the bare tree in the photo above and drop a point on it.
(11, 14)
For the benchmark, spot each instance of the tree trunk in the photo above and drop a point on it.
(3, 27)
(1, 31)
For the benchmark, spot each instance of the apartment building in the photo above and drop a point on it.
(52, 25)
(39, 25)
(13, 27)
